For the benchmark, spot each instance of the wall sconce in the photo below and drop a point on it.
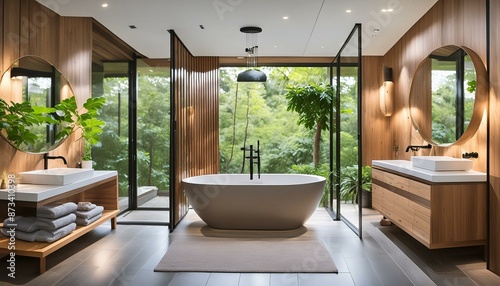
(387, 93)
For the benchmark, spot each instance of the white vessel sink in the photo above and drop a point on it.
(56, 176)
(441, 163)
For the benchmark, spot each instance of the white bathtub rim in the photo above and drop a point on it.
(223, 179)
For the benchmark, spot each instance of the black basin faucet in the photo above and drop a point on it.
(46, 158)
(415, 148)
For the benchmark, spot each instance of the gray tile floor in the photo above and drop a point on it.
(128, 255)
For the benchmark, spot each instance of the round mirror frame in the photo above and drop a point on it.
(479, 102)
(68, 92)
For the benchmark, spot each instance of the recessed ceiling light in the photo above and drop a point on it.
(275, 46)
(387, 10)
(348, 11)
(376, 30)
(104, 5)
(132, 27)
(285, 17)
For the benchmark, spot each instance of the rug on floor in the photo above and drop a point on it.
(247, 256)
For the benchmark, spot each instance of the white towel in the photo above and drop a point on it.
(53, 224)
(31, 223)
(87, 221)
(41, 235)
(85, 206)
(22, 223)
(56, 210)
(90, 214)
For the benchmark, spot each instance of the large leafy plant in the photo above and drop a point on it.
(17, 120)
(313, 103)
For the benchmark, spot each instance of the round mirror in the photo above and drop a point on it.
(447, 95)
(33, 80)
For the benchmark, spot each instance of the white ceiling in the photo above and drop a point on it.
(314, 27)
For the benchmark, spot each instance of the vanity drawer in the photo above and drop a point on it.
(422, 221)
(421, 209)
(377, 197)
(424, 235)
(402, 208)
(420, 189)
(402, 221)
(391, 179)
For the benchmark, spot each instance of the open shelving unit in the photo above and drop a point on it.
(103, 192)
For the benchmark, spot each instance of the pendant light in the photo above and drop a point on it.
(252, 74)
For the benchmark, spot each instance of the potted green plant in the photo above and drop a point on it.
(349, 184)
(87, 162)
(366, 186)
(86, 121)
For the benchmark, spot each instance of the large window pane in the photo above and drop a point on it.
(110, 80)
(153, 133)
(251, 112)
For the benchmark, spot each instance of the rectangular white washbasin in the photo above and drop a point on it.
(56, 176)
(441, 163)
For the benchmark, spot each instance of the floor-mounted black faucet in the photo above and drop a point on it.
(251, 157)
(46, 158)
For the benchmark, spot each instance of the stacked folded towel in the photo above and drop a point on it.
(56, 210)
(53, 221)
(87, 213)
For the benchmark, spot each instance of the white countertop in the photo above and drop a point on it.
(38, 193)
(406, 167)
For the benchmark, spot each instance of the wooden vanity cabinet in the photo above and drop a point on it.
(103, 192)
(439, 215)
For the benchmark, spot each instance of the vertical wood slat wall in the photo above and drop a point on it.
(196, 100)
(462, 23)
(448, 22)
(376, 127)
(28, 28)
(494, 128)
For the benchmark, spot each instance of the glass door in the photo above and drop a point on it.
(347, 156)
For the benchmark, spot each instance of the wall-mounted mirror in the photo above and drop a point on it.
(34, 80)
(448, 95)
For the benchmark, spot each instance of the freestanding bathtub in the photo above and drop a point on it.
(273, 202)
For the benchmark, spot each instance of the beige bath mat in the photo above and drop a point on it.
(269, 256)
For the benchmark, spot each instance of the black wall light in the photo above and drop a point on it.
(387, 93)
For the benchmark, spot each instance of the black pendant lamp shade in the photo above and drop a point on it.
(252, 74)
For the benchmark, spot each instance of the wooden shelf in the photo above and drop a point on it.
(101, 193)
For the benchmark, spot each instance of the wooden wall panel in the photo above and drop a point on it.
(196, 85)
(494, 139)
(457, 22)
(462, 23)
(75, 58)
(376, 127)
(29, 28)
(42, 32)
